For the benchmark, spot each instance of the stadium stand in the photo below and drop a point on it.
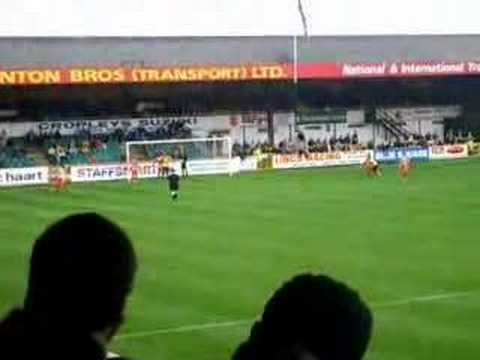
(395, 127)
(14, 155)
(84, 147)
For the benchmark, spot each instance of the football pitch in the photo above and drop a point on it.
(209, 262)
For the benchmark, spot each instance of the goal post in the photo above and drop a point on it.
(205, 155)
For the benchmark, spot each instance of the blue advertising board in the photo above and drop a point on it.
(396, 154)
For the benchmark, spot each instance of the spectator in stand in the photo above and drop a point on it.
(449, 137)
(355, 138)
(52, 154)
(326, 146)
(82, 270)
(119, 135)
(332, 142)
(422, 141)
(236, 149)
(72, 150)
(30, 136)
(301, 145)
(3, 138)
(98, 143)
(85, 150)
(61, 155)
(469, 136)
(310, 317)
(57, 135)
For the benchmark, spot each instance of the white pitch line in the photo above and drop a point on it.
(186, 328)
(428, 298)
(216, 325)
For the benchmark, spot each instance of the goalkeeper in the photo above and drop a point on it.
(174, 184)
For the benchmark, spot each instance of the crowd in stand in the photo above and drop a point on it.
(413, 140)
(428, 140)
(58, 153)
(12, 154)
(82, 271)
(342, 143)
(348, 142)
(59, 149)
(86, 144)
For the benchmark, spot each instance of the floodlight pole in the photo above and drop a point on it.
(295, 57)
(295, 79)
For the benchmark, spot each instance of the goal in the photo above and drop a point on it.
(205, 155)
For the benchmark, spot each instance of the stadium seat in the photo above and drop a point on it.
(13, 157)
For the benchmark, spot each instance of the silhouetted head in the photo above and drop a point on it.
(82, 269)
(311, 317)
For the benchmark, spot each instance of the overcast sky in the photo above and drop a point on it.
(235, 17)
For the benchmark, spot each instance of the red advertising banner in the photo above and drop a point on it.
(400, 69)
(456, 151)
(274, 72)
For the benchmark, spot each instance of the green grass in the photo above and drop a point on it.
(218, 253)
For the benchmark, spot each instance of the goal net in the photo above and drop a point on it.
(203, 156)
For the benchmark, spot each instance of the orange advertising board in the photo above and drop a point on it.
(109, 75)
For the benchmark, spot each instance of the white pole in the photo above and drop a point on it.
(295, 59)
(127, 155)
(303, 18)
(127, 152)
(229, 144)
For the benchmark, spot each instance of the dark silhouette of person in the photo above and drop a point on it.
(311, 317)
(82, 270)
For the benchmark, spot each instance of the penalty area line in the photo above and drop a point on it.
(186, 328)
(427, 298)
(227, 324)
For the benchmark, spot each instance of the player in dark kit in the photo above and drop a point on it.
(174, 184)
(184, 165)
